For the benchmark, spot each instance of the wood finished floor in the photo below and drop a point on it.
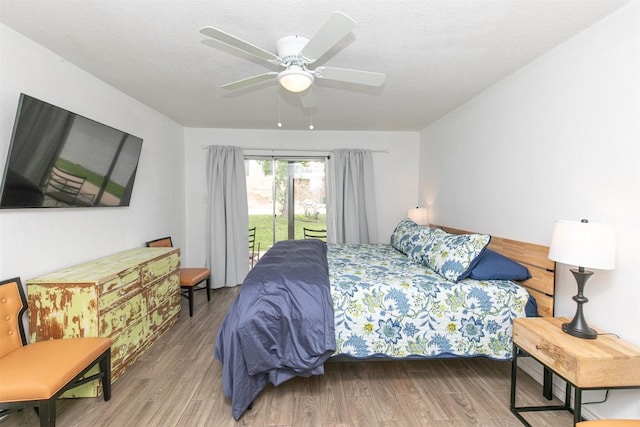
(178, 383)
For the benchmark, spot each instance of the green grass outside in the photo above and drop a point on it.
(264, 228)
(92, 177)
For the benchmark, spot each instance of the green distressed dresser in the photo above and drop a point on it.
(132, 297)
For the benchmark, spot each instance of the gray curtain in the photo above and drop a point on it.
(352, 204)
(227, 229)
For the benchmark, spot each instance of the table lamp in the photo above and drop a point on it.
(583, 244)
(419, 215)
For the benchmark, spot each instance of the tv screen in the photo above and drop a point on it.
(59, 159)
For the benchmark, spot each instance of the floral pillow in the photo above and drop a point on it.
(404, 236)
(422, 243)
(453, 256)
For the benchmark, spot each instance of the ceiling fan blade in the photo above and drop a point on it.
(250, 81)
(233, 41)
(367, 78)
(337, 26)
(308, 98)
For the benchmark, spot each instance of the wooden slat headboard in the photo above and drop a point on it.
(541, 285)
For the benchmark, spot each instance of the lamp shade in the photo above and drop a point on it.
(295, 79)
(418, 215)
(583, 244)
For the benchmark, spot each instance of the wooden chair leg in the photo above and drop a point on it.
(190, 301)
(208, 290)
(47, 412)
(105, 368)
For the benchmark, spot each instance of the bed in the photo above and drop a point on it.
(306, 302)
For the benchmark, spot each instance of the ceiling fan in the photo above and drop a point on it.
(295, 54)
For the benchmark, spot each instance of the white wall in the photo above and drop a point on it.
(395, 172)
(559, 139)
(38, 241)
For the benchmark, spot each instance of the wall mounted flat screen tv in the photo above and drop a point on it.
(61, 159)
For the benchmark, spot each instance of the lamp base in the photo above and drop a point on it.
(578, 327)
(587, 333)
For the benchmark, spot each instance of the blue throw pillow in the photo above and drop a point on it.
(494, 266)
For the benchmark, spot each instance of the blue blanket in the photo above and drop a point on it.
(280, 326)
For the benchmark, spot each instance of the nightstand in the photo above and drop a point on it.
(606, 362)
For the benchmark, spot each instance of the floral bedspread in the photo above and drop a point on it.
(387, 305)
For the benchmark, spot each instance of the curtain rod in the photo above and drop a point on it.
(293, 149)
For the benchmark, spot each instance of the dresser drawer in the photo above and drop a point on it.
(118, 296)
(546, 351)
(170, 309)
(159, 291)
(157, 268)
(127, 342)
(123, 279)
(122, 316)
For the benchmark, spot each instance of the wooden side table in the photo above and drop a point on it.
(606, 362)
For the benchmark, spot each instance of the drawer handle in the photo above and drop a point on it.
(541, 347)
(123, 318)
(122, 292)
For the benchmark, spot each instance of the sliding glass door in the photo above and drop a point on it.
(285, 195)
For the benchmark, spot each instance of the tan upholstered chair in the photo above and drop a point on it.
(609, 423)
(36, 374)
(310, 233)
(190, 278)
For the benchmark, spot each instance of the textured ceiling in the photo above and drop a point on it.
(437, 54)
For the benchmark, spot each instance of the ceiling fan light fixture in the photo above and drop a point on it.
(295, 79)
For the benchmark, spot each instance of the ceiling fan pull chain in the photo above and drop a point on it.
(279, 110)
